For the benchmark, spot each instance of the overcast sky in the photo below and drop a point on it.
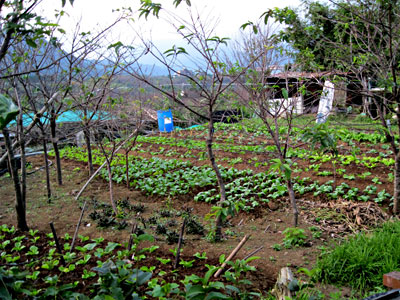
(95, 14)
(231, 13)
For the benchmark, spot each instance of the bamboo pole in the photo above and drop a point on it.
(77, 226)
(232, 255)
(178, 251)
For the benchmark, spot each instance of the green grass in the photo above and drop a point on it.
(361, 261)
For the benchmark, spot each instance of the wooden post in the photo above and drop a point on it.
(232, 255)
(178, 252)
(57, 243)
(281, 289)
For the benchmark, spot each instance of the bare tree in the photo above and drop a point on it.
(210, 78)
(272, 99)
(27, 57)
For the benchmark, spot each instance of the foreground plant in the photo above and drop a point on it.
(120, 273)
(361, 261)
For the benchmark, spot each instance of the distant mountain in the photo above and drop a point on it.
(148, 69)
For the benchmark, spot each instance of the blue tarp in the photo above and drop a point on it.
(67, 116)
(190, 127)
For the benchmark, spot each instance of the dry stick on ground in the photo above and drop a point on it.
(104, 163)
(57, 242)
(77, 226)
(232, 255)
(250, 254)
(254, 252)
(178, 251)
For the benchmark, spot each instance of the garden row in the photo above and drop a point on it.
(31, 267)
(246, 189)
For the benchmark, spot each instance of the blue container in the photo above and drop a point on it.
(165, 122)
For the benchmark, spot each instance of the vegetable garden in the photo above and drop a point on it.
(170, 184)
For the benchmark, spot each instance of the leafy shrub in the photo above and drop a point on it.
(152, 220)
(194, 227)
(172, 223)
(165, 213)
(124, 203)
(105, 221)
(361, 261)
(172, 237)
(294, 237)
(138, 208)
(161, 229)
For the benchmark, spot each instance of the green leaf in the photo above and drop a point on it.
(105, 268)
(31, 43)
(51, 291)
(194, 291)
(232, 288)
(8, 111)
(139, 277)
(4, 294)
(217, 285)
(285, 93)
(243, 26)
(178, 2)
(116, 46)
(111, 246)
(217, 295)
(145, 237)
(90, 246)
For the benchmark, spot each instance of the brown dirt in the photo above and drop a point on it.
(64, 212)
(265, 225)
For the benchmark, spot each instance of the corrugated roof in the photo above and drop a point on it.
(306, 75)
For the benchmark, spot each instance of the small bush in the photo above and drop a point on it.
(138, 208)
(161, 229)
(165, 213)
(193, 226)
(294, 237)
(124, 203)
(172, 223)
(361, 261)
(152, 220)
(172, 237)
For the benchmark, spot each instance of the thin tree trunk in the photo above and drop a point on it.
(53, 126)
(21, 137)
(86, 133)
(334, 172)
(293, 202)
(128, 182)
(396, 200)
(127, 170)
(46, 164)
(110, 184)
(19, 201)
(35, 120)
(221, 184)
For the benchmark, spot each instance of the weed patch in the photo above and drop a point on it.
(361, 261)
